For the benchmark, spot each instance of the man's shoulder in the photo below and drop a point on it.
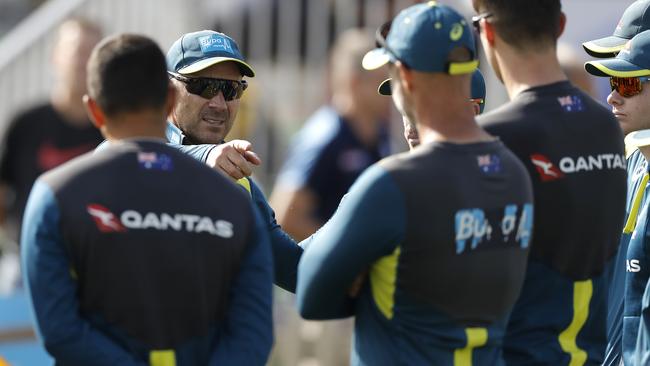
(319, 131)
(33, 117)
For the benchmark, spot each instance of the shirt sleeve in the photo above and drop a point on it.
(286, 252)
(369, 224)
(198, 152)
(642, 352)
(69, 338)
(247, 336)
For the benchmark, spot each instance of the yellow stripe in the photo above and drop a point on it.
(162, 358)
(476, 337)
(244, 182)
(459, 68)
(600, 49)
(4, 362)
(638, 197)
(582, 291)
(382, 282)
(622, 74)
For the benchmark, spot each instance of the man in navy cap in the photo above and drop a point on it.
(635, 19)
(629, 74)
(445, 261)
(573, 149)
(477, 98)
(207, 70)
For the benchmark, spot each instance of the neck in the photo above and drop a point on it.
(135, 125)
(362, 121)
(521, 70)
(69, 104)
(453, 122)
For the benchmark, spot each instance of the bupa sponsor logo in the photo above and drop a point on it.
(133, 220)
(570, 165)
(214, 43)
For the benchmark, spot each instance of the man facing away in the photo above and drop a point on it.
(138, 254)
(573, 149)
(443, 231)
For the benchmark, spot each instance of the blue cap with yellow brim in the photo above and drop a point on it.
(635, 20)
(422, 36)
(632, 61)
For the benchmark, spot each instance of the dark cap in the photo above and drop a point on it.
(197, 51)
(632, 61)
(635, 20)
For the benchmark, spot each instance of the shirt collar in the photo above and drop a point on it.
(174, 134)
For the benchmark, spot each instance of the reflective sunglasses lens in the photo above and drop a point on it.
(626, 87)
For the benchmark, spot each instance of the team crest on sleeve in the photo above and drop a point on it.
(489, 163)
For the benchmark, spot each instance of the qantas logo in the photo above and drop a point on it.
(568, 165)
(105, 219)
(547, 171)
(130, 219)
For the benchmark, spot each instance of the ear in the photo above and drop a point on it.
(94, 112)
(405, 76)
(562, 24)
(490, 32)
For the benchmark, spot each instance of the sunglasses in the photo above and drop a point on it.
(380, 38)
(476, 21)
(209, 88)
(628, 87)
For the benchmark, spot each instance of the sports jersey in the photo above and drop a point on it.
(641, 354)
(573, 150)
(119, 276)
(36, 141)
(286, 253)
(444, 233)
(326, 157)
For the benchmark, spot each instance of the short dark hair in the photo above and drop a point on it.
(127, 73)
(524, 24)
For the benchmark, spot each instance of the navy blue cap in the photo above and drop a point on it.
(632, 61)
(196, 51)
(635, 20)
(422, 36)
(478, 87)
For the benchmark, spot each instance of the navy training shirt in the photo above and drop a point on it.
(121, 269)
(573, 150)
(443, 233)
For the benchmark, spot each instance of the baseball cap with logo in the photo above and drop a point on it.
(422, 37)
(632, 61)
(197, 51)
(478, 87)
(635, 20)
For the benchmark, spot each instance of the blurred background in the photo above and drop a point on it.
(288, 42)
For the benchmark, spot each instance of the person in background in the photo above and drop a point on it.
(45, 136)
(336, 144)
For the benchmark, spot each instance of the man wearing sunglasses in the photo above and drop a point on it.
(629, 74)
(477, 99)
(573, 149)
(634, 20)
(207, 70)
(445, 259)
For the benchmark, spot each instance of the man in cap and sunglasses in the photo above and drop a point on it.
(573, 149)
(445, 261)
(207, 70)
(635, 19)
(629, 74)
(477, 99)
